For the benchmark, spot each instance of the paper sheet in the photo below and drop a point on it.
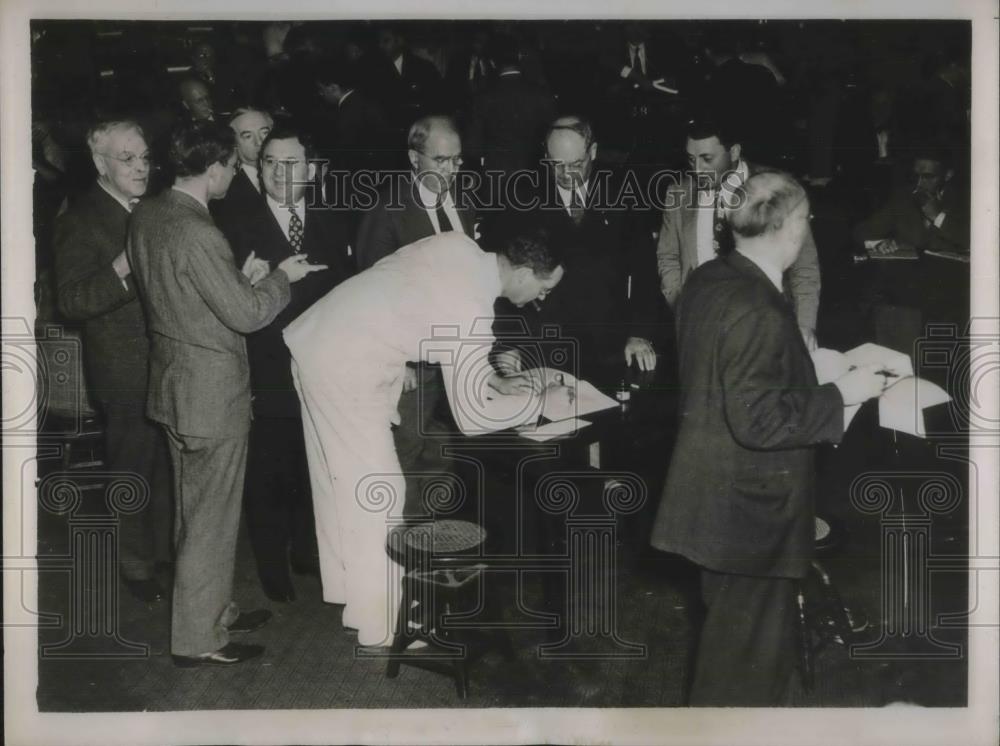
(552, 430)
(517, 409)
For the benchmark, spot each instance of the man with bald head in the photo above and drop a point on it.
(423, 205)
(591, 308)
(196, 99)
(251, 126)
(738, 500)
(95, 287)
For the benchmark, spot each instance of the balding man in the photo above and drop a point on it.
(251, 126)
(739, 494)
(196, 99)
(95, 287)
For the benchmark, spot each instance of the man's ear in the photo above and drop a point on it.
(593, 151)
(735, 152)
(99, 164)
(311, 171)
(948, 174)
(412, 154)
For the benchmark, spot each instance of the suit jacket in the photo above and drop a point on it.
(739, 491)
(902, 219)
(241, 198)
(325, 240)
(388, 226)
(405, 95)
(199, 306)
(508, 122)
(677, 254)
(88, 237)
(589, 307)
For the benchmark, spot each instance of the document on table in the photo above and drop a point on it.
(901, 405)
(904, 253)
(552, 430)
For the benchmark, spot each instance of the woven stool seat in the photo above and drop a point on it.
(412, 545)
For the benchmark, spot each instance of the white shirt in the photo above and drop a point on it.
(566, 197)
(705, 227)
(429, 200)
(398, 62)
(283, 214)
(431, 300)
(639, 51)
(252, 174)
(773, 275)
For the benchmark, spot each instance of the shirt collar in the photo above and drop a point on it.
(344, 98)
(566, 197)
(428, 199)
(127, 204)
(252, 174)
(773, 275)
(300, 206)
(192, 196)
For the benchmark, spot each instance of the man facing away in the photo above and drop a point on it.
(199, 306)
(738, 500)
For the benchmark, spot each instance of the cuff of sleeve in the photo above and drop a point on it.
(939, 220)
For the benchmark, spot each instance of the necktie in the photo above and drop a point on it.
(443, 223)
(722, 238)
(575, 206)
(295, 231)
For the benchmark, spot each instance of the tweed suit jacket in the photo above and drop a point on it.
(199, 307)
(677, 253)
(88, 237)
(739, 491)
(387, 226)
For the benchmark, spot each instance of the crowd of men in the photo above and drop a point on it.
(261, 315)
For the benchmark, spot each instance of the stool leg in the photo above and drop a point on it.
(805, 640)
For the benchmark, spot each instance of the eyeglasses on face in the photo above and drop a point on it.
(131, 159)
(444, 160)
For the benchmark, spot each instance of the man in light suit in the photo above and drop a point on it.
(422, 206)
(739, 494)
(285, 223)
(693, 232)
(198, 307)
(96, 287)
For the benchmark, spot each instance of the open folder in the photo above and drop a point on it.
(901, 405)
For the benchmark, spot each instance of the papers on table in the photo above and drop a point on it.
(552, 430)
(901, 405)
(905, 252)
(953, 256)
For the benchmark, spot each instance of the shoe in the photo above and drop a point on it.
(279, 591)
(146, 590)
(250, 621)
(229, 655)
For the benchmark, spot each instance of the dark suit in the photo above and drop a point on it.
(589, 307)
(677, 253)
(738, 499)
(88, 237)
(277, 497)
(241, 199)
(383, 230)
(508, 122)
(198, 307)
(406, 95)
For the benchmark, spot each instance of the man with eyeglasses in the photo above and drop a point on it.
(286, 222)
(425, 204)
(95, 287)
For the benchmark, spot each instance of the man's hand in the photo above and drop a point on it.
(120, 265)
(508, 362)
(886, 246)
(865, 382)
(409, 379)
(255, 269)
(640, 350)
(518, 383)
(298, 266)
(809, 337)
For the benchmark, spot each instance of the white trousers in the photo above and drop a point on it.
(358, 491)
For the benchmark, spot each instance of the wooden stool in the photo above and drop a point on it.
(442, 576)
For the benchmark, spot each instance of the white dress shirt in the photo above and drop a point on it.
(253, 174)
(429, 201)
(567, 199)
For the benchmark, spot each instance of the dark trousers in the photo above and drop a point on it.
(208, 486)
(277, 497)
(746, 654)
(419, 439)
(135, 446)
